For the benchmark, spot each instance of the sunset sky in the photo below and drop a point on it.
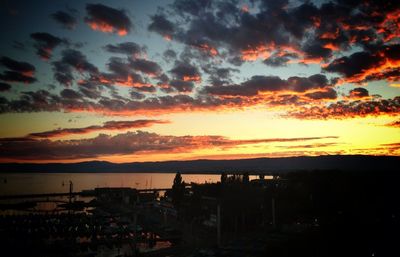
(134, 80)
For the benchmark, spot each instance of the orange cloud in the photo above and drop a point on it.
(167, 37)
(330, 35)
(104, 27)
(331, 46)
(259, 52)
(195, 78)
(209, 49)
(394, 124)
(137, 143)
(107, 19)
(349, 109)
(107, 126)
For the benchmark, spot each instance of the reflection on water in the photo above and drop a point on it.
(28, 183)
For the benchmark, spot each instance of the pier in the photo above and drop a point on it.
(82, 193)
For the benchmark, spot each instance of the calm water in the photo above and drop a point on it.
(28, 183)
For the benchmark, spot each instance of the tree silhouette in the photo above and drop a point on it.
(178, 190)
(224, 178)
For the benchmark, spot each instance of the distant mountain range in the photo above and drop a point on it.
(253, 166)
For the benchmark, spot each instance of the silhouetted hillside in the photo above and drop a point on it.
(258, 165)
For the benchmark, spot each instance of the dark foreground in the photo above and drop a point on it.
(329, 213)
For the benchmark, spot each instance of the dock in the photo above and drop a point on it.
(82, 193)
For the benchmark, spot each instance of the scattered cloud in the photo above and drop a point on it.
(45, 44)
(354, 41)
(146, 66)
(138, 142)
(17, 66)
(65, 19)
(160, 24)
(394, 124)
(109, 125)
(359, 92)
(259, 84)
(108, 19)
(72, 60)
(186, 72)
(380, 63)
(350, 109)
(18, 71)
(128, 48)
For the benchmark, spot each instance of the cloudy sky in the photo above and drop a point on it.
(175, 80)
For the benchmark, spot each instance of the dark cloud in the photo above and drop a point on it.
(72, 60)
(378, 63)
(390, 74)
(63, 73)
(299, 19)
(44, 101)
(355, 64)
(219, 76)
(163, 78)
(45, 43)
(109, 125)
(161, 25)
(30, 101)
(119, 67)
(138, 142)
(394, 124)
(212, 26)
(107, 19)
(13, 76)
(78, 61)
(182, 86)
(128, 48)
(259, 84)
(358, 92)
(149, 89)
(186, 72)
(67, 20)
(310, 32)
(224, 73)
(146, 66)
(190, 7)
(277, 61)
(345, 109)
(4, 87)
(70, 94)
(18, 72)
(315, 50)
(219, 72)
(90, 89)
(17, 66)
(328, 93)
(136, 95)
(122, 73)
